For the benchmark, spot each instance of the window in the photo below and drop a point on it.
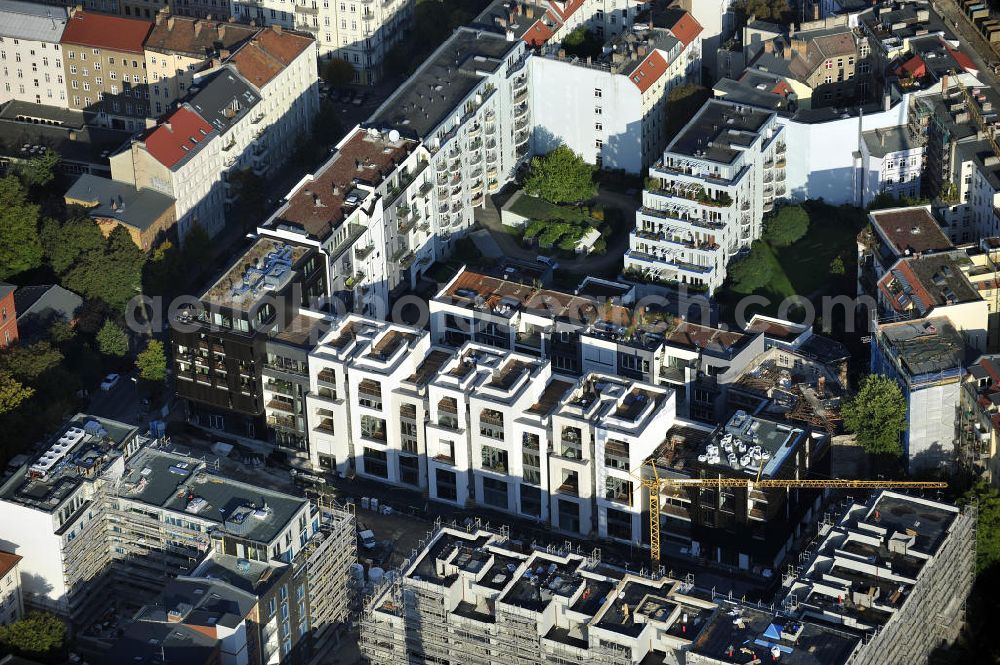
(494, 459)
(598, 92)
(618, 490)
(446, 485)
(598, 110)
(375, 463)
(495, 492)
(598, 127)
(599, 144)
(619, 524)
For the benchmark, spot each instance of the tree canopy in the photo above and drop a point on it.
(152, 362)
(765, 10)
(877, 415)
(338, 72)
(38, 171)
(582, 43)
(561, 177)
(97, 268)
(788, 225)
(20, 245)
(12, 393)
(112, 340)
(752, 271)
(682, 103)
(37, 635)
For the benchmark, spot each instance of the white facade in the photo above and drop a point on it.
(715, 182)
(30, 54)
(616, 122)
(11, 600)
(891, 165)
(357, 31)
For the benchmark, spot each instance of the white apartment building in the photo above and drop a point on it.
(369, 210)
(540, 22)
(484, 425)
(469, 105)
(892, 163)
(620, 98)
(360, 32)
(244, 114)
(30, 53)
(709, 193)
(11, 600)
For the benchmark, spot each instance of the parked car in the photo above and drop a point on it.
(110, 381)
(367, 539)
(550, 262)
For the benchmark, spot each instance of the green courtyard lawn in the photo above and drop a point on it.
(804, 267)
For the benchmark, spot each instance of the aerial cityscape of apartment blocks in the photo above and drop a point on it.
(390, 332)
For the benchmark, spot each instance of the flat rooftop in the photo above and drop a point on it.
(79, 452)
(543, 578)
(928, 522)
(321, 203)
(745, 635)
(909, 230)
(719, 132)
(185, 486)
(431, 95)
(429, 367)
(254, 577)
(926, 346)
(506, 298)
(722, 343)
(267, 266)
(882, 142)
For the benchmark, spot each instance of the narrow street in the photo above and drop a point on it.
(981, 52)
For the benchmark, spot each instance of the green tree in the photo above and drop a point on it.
(39, 170)
(65, 244)
(12, 393)
(786, 226)
(765, 10)
(682, 103)
(28, 362)
(114, 275)
(877, 415)
(582, 43)
(38, 635)
(338, 72)
(753, 271)
(152, 362)
(20, 245)
(837, 266)
(561, 177)
(112, 340)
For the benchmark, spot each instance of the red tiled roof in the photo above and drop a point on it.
(267, 54)
(103, 31)
(565, 8)
(648, 71)
(171, 141)
(964, 61)
(686, 28)
(782, 88)
(7, 562)
(538, 34)
(915, 67)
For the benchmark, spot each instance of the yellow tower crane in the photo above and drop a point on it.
(655, 484)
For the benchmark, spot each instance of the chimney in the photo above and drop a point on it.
(276, 28)
(816, 10)
(944, 84)
(529, 11)
(170, 128)
(197, 28)
(881, 137)
(222, 31)
(159, 18)
(800, 46)
(224, 54)
(170, 23)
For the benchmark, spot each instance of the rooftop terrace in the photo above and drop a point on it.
(323, 201)
(81, 451)
(719, 132)
(264, 268)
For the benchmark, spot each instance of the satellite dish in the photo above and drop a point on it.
(393, 135)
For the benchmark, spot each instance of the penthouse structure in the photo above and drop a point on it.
(620, 96)
(706, 198)
(32, 59)
(369, 212)
(479, 595)
(885, 566)
(469, 105)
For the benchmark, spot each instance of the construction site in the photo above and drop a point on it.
(876, 569)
